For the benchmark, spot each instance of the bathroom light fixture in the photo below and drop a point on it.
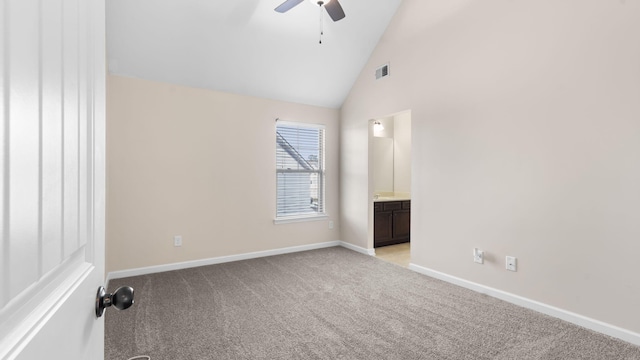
(377, 126)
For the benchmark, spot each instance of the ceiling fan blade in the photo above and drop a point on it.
(287, 5)
(335, 10)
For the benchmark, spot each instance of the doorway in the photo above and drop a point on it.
(390, 187)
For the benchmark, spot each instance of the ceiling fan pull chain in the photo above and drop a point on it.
(321, 27)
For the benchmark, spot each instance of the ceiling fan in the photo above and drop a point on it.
(332, 6)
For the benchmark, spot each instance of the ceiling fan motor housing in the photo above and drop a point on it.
(333, 7)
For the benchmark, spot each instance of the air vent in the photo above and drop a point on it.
(382, 71)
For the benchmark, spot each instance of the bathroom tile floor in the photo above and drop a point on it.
(398, 254)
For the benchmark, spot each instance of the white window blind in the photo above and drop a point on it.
(299, 170)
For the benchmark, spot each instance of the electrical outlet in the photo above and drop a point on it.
(478, 256)
(331, 225)
(177, 240)
(512, 263)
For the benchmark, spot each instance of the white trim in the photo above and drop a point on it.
(294, 219)
(224, 259)
(577, 319)
(107, 279)
(217, 260)
(300, 124)
(370, 252)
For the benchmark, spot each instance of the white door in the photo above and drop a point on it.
(52, 132)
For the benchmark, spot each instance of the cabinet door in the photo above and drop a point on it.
(401, 224)
(382, 227)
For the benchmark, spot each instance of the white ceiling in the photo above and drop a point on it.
(245, 47)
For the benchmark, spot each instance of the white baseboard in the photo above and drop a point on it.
(224, 259)
(577, 319)
(370, 252)
(217, 260)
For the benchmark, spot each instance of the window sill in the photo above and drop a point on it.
(300, 219)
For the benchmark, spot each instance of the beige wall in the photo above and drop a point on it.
(526, 135)
(201, 164)
(402, 153)
(382, 168)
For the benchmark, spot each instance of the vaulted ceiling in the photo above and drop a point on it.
(245, 47)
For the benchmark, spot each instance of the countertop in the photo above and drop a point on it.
(391, 198)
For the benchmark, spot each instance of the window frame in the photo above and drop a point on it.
(298, 217)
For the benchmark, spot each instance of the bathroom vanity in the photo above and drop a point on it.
(391, 221)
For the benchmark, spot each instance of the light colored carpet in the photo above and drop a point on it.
(333, 304)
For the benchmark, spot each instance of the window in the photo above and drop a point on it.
(299, 170)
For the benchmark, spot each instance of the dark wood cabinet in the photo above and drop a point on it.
(391, 222)
(382, 226)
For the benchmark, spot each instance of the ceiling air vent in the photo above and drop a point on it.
(382, 71)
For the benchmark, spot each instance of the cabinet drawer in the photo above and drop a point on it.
(396, 205)
(377, 206)
(406, 205)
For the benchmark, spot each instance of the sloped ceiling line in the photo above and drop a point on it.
(245, 47)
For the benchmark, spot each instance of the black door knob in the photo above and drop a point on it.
(121, 299)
